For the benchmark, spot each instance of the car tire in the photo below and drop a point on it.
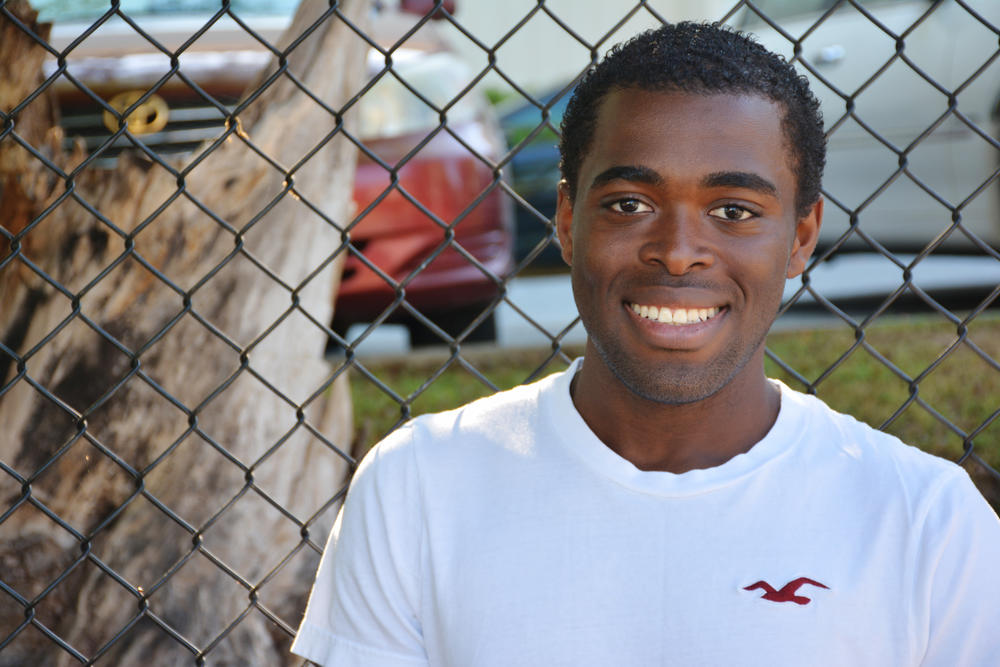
(454, 322)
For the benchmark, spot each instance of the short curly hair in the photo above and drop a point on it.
(700, 58)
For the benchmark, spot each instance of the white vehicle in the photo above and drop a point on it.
(926, 102)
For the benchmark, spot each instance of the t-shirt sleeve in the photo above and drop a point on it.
(363, 609)
(960, 577)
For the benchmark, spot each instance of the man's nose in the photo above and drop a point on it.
(678, 240)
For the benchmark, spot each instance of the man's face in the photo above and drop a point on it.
(684, 212)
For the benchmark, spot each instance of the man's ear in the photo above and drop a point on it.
(806, 236)
(564, 221)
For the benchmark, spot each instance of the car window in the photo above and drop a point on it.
(778, 10)
(528, 117)
(389, 108)
(75, 10)
(782, 9)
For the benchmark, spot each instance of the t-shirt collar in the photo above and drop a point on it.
(572, 432)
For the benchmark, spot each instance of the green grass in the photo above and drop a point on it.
(963, 387)
(934, 371)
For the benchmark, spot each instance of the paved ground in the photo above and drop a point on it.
(548, 300)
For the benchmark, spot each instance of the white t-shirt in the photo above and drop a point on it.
(504, 533)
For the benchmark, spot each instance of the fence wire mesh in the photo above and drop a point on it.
(168, 476)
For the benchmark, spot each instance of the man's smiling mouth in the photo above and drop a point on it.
(669, 315)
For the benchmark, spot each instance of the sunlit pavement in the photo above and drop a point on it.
(545, 308)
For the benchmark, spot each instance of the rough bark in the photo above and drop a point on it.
(206, 455)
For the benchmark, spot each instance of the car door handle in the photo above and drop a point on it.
(830, 55)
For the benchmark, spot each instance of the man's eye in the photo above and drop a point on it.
(630, 206)
(731, 212)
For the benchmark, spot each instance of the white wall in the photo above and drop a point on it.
(541, 54)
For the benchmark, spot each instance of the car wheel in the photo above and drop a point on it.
(454, 322)
(333, 348)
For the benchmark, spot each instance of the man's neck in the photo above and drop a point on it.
(677, 438)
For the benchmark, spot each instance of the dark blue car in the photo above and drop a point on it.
(531, 130)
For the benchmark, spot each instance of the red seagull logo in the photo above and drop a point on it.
(787, 592)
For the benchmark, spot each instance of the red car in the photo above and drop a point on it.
(441, 237)
(449, 239)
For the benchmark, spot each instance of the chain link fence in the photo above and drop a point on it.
(207, 559)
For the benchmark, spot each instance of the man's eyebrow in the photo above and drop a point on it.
(740, 179)
(633, 173)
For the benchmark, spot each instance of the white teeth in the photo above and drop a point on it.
(674, 315)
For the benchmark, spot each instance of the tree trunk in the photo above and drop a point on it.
(164, 402)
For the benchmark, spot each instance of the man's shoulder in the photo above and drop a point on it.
(501, 420)
(501, 410)
(868, 450)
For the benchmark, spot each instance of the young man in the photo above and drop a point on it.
(662, 502)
